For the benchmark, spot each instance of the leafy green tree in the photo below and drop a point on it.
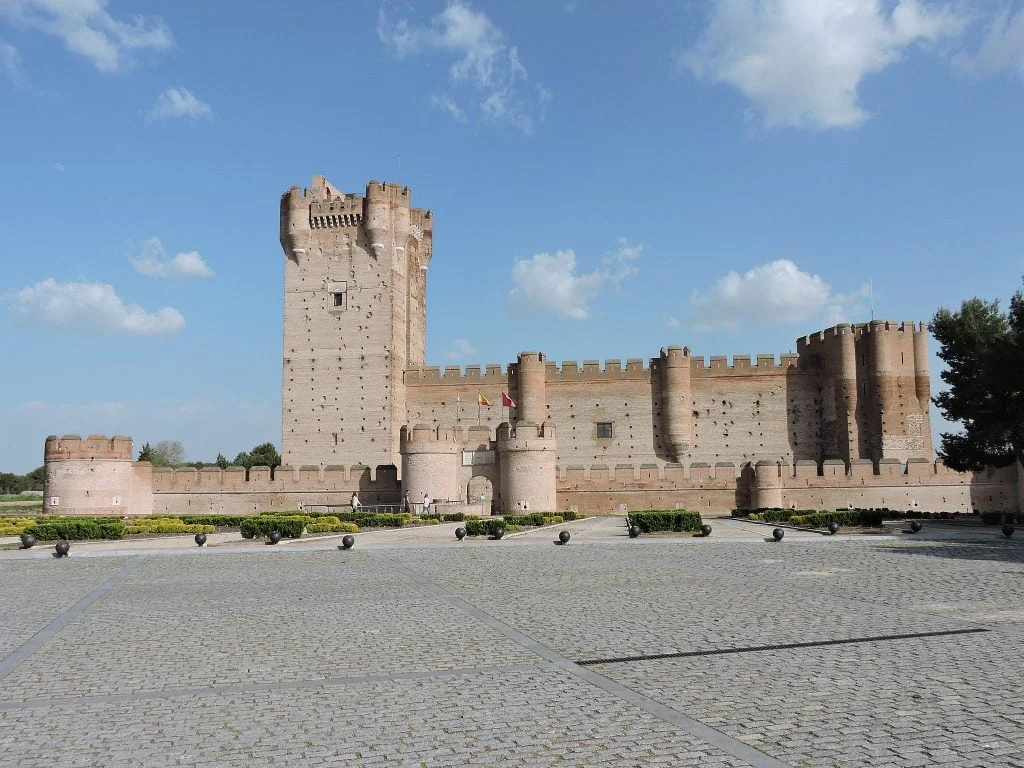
(221, 461)
(983, 349)
(146, 454)
(263, 455)
(35, 479)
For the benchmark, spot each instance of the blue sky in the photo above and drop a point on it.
(726, 174)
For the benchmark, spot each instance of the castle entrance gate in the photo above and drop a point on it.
(480, 491)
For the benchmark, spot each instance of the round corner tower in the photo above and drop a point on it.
(430, 462)
(91, 476)
(677, 401)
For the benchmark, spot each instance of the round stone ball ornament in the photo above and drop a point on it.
(348, 541)
(62, 548)
(200, 539)
(460, 533)
(563, 537)
(499, 532)
(778, 533)
(705, 530)
(634, 531)
(915, 526)
(1007, 530)
(833, 527)
(27, 540)
(274, 537)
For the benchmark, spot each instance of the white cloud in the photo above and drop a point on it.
(673, 324)
(801, 62)
(1002, 47)
(461, 350)
(447, 103)
(152, 262)
(89, 307)
(776, 293)
(548, 283)
(59, 167)
(485, 65)
(178, 102)
(10, 63)
(88, 29)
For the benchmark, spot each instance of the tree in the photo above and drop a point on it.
(984, 351)
(221, 461)
(146, 454)
(168, 453)
(263, 455)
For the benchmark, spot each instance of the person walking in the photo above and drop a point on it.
(426, 503)
(407, 504)
(355, 502)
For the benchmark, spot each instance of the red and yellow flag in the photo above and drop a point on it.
(481, 400)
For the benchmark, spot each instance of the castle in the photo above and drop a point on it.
(843, 422)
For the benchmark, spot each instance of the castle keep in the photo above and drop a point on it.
(842, 422)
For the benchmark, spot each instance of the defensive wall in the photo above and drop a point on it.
(918, 484)
(97, 476)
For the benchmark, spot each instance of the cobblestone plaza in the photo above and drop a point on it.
(608, 652)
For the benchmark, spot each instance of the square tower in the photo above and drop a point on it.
(354, 320)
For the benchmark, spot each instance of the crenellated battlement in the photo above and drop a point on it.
(759, 365)
(492, 373)
(829, 335)
(77, 448)
(376, 190)
(593, 370)
(780, 474)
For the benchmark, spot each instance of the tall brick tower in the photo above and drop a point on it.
(354, 320)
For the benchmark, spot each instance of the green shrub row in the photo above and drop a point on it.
(261, 525)
(338, 526)
(664, 520)
(13, 526)
(220, 521)
(533, 518)
(165, 525)
(484, 526)
(996, 518)
(78, 529)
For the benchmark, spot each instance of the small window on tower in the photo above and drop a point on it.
(604, 429)
(339, 293)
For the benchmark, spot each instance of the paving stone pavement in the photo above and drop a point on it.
(423, 652)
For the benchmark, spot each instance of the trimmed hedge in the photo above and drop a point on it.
(13, 526)
(331, 525)
(220, 521)
(996, 518)
(678, 520)
(78, 529)
(261, 525)
(165, 525)
(485, 526)
(375, 520)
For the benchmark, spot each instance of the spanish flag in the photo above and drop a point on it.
(481, 400)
